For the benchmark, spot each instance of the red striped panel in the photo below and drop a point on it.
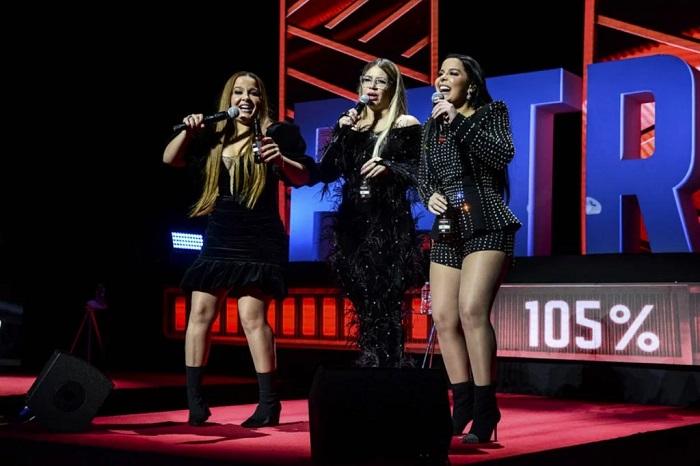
(419, 326)
(231, 315)
(308, 315)
(330, 317)
(288, 324)
(180, 313)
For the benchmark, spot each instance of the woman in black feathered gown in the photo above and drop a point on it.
(375, 255)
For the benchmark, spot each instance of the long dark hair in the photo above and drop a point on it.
(480, 96)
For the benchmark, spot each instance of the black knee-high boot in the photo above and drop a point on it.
(486, 415)
(268, 410)
(199, 411)
(463, 405)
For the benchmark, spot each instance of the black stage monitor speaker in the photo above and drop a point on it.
(379, 416)
(67, 394)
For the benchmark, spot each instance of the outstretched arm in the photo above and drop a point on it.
(174, 153)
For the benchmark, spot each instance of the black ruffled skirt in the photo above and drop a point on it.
(242, 249)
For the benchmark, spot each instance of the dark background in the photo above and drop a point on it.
(95, 204)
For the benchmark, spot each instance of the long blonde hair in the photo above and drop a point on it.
(397, 106)
(247, 182)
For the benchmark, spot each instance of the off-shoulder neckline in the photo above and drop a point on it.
(377, 133)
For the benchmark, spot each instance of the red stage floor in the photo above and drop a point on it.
(530, 425)
(13, 385)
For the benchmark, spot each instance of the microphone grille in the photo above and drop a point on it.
(233, 112)
(437, 96)
(364, 99)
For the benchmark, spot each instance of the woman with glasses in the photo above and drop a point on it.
(374, 251)
(245, 249)
(467, 146)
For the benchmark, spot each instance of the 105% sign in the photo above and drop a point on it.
(557, 310)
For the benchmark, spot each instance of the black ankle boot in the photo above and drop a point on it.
(199, 411)
(268, 410)
(486, 415)
(463, 406)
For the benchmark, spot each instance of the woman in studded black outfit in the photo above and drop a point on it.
(467, 146)
(245, 249)
(375, 254)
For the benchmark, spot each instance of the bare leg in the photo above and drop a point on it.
(444, 288)
(197, 338)
(482, 272)
(202, 314)
(261, 343)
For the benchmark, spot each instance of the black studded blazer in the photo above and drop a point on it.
(466, 161)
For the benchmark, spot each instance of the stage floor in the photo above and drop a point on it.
(18, 385)
(530, 425)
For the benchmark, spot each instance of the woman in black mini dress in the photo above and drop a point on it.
(245, 248)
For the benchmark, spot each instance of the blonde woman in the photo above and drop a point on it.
(245, 248)
(375, 256)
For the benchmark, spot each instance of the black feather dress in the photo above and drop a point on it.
(374, 253)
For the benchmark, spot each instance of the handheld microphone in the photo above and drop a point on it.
(361, 103)
(359, 106)
(442, 122)
(231, 113)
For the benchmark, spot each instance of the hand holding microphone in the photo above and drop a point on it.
(198, 121)
(442, 107)
(350, 117)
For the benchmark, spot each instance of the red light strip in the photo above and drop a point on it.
(345, 13)
(316, 39)
(282, 75)
(420, 45)
(390, 20)
(288, 316)
(308, 316)
(588, 52)
(180, 313)
(293, 9)
(307, 78)
(330, 323)
(434, 34)
(231, 315)
(667, 39)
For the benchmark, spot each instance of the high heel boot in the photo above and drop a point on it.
(199, 411)
(486, 415)
(463, 405)
(267, 413)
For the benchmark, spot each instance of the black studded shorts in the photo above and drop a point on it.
(452, 253)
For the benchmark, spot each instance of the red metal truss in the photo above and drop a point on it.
(323, 44)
